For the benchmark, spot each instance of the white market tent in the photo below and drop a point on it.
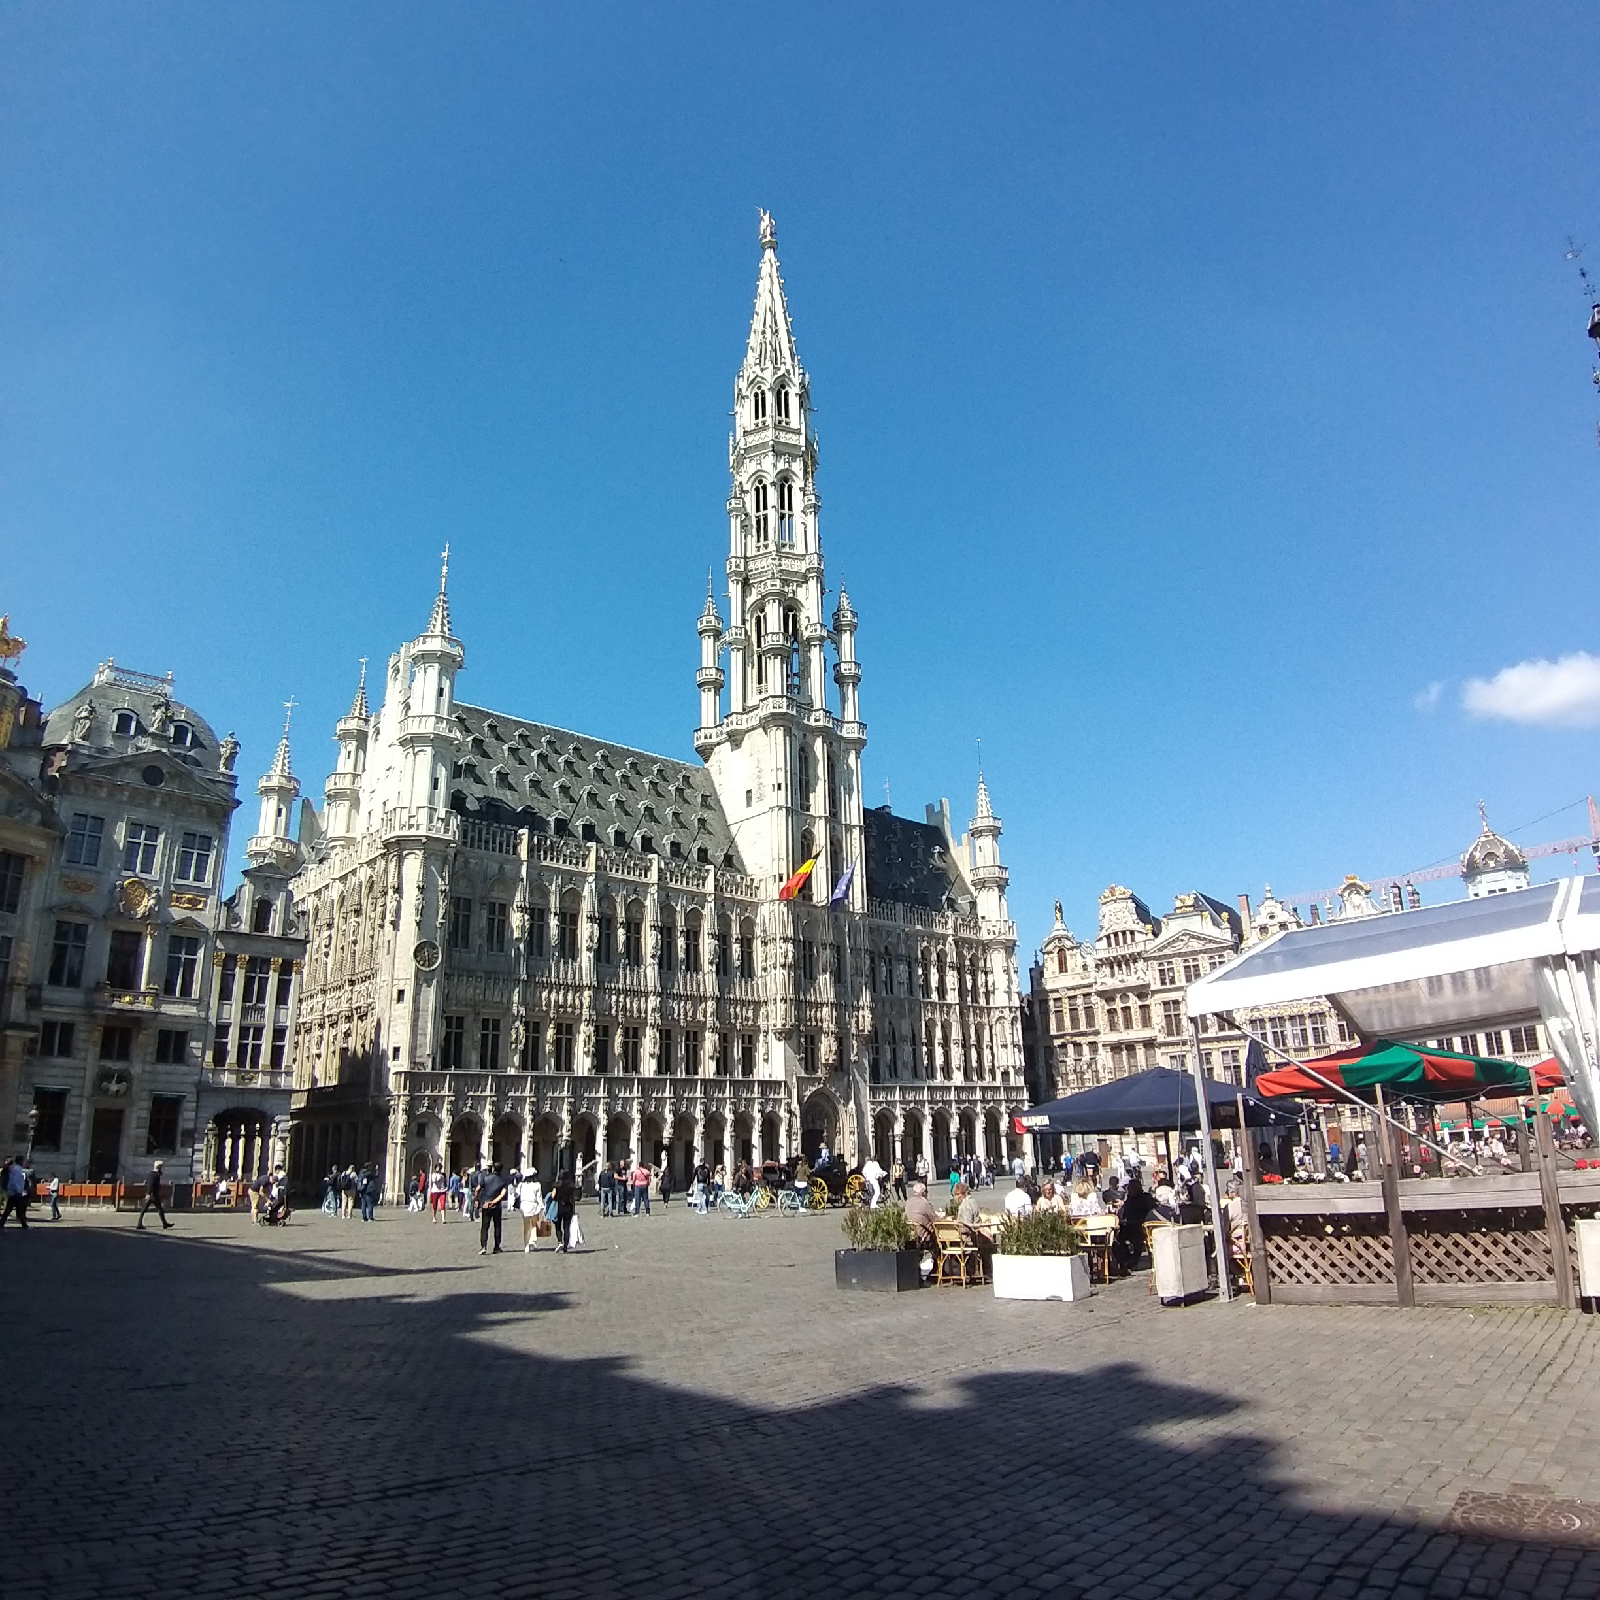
(1501, 959)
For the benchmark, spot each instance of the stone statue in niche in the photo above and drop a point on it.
(228, 753)
(83, 722)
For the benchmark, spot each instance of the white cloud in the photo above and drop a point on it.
(1429, 697)
(1564, 693)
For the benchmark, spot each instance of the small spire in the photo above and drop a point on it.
(358, 706)
(280, 762)
(985, 810)
(771, 346)
(1483, 816)
(439, 622)
(768, 231)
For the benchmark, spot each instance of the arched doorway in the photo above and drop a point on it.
(883, 1139)
(585, 1141)
(681, 1152)
(969, 1134)
(425, 1135)
(507, 1144)
(819, 1126)
(713, 1141)
(619, 1139)
(911, 1145)
(652, 1138)
(991, 1138)
(941, 1144)
(744, 1147)
(466, 1143)
(546, 1146)
(771, 1138)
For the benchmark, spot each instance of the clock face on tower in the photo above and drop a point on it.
(426, 956)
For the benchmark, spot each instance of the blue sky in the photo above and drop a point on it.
(1203, 396)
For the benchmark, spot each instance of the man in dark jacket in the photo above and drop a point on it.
(490, 1193)
(368, 1187)
(152, 1197)
(565, 1195)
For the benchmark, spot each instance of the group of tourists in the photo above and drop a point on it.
(343, 1193)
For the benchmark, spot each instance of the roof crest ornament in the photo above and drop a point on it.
(768, 230)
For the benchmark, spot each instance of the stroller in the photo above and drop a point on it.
(276, 1211)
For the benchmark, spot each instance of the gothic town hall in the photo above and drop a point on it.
(541, 946)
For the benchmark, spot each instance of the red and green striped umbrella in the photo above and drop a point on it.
(1404, 1071)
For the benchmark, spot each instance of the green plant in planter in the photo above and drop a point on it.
(878, 1228)
(1044, 1233)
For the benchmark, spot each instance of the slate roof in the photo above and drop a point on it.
(528, 775)
(909, 862)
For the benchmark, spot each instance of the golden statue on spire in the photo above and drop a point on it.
(10, 646)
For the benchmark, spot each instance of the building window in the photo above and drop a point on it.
(785, 511)
(116, 1043)
(124, 959)
(56, 1038)
(182, 735)
(1278, 1032)
(691, 949)
(665, 1053)
(1494, 1043)
(1230, 1065)
(567, 935)
(194, 857)
(1057, 1017)
(83, 840)
(11, 866)
(257, 980)
(724, 1061)
(691, 1052)
(606, 943)
(781, 396)
(494, 927)
(532, 1046)
(721, 954)
(280, 1048)
(49, 1114)
(139, 847)
(453, 1044)
(760, 499)
(747, 1055)
(261, 915)
(489, 1044)
(1172, 1018)
(183, 966)
(1346, 1035)
(565, 1047)
(758, 405)
(1191, 969)
(247, 1057)
(1299, 1037)
(125, 724)
(747, 956)
(1319, 1028)
(808, 1053)
(165, 1112)
(633, 943)
(460, 922)
(1524, 1041)
(1166, 974)
(630, 1049)
(808, 961)
(538, 931)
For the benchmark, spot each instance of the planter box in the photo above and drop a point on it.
(1041, 1277)
(887, 1271)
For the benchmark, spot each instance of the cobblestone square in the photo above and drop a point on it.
(689, 1407)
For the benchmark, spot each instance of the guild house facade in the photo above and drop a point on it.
(536, 945)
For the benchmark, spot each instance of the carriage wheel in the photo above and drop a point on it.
(855, 1190)
(817, 1195)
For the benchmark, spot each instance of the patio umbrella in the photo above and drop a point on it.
(1403, 1071)
(1159, 1100)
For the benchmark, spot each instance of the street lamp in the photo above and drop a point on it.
(33, 1130)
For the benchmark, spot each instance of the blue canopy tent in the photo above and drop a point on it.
(1156, 1101)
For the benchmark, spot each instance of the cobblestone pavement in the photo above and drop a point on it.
(688, 1407)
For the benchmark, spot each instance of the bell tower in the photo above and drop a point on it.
(786, 765)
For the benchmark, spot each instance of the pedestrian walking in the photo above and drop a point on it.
(438, 1192)
(55, 1198)
(367, 1190)
(489, 1194)
(666, 1181)
(640, 1183)
(152, 1197)
(566, 1201)
(606, 1183)
(16, 1187)
(530, 1206)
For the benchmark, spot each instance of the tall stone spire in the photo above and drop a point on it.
(439, 622)
(358, 706)
(278, 788)
(771, 347)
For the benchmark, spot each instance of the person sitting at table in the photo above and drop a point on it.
(1049, 1200)
(967, 1212)
(1165, 1200)
(1085, 1201)
(1233, 1214)
(920, 1213)
(1019, 1203)
(1130, 1231)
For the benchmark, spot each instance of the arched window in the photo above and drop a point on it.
(785, 506)
(760, 498)
(758, 405)
(782, 398)
(182, 735)
(761, 660)
(791, 630)
(808, 848)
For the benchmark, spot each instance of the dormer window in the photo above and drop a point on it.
(758, 405)
(125, 724)
(782, 399)
(785, 506)
(182, 735)
(761, 513)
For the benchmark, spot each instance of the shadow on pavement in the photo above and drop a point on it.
(197, 1431)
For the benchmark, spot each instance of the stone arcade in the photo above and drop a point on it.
(532, 944)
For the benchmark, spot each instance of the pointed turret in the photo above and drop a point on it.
(770, 348)
(439, 622)
(709, 678)
(989, 875)
(278, 789)
(358, 706)
(342, 813)
(424, 678)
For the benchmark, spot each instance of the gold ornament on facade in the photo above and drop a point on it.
(11, 647)
(135, 898)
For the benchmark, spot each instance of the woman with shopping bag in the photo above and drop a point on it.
(530, 1205)
(565, 1200)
